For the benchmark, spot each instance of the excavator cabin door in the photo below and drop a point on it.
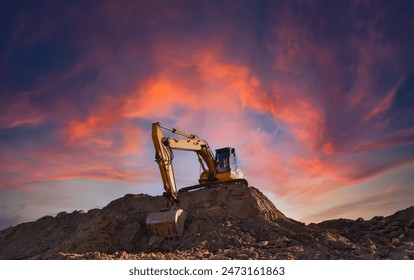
(225, 160)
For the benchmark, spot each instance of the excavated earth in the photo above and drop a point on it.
(236, 222)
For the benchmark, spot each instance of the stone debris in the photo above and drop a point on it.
(234, 222)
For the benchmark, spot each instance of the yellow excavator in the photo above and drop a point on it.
(218, 170)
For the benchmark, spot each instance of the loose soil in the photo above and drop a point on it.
(234, 222)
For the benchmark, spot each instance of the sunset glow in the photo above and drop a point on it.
(317, 98)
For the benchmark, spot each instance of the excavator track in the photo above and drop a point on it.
(215, 184)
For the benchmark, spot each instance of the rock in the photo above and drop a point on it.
(339, 243)
(262, 243)
(410, 224)
(237, 241)
(383, 253)
(249, 238)
(395, 241)
(282, 242)
(61, 214)
(155, 240)
(395, 234)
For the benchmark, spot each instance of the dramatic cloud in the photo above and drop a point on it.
(315, 97)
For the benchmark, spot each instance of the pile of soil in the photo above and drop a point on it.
(234, 222)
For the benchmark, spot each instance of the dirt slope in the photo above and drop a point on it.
(235, 222)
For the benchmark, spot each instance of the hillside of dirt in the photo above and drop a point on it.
(235, 222)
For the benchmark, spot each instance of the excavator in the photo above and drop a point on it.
(218, 170)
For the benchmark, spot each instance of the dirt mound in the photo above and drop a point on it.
(235, 222)
(380, 237)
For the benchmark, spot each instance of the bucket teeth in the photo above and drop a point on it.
(167, 224)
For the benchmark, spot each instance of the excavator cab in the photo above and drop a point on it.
(226, 165)
(225, 160)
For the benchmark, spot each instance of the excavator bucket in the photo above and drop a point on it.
(168, 223)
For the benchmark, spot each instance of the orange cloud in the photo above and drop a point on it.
(214, 88)
(327, 148)
(212, 94)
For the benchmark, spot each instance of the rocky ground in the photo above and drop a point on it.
(236, 222)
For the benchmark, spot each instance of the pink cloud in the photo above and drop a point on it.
(384, 104)
(20, 113)
(52, 166)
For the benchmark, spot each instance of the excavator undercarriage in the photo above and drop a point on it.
(216, 184)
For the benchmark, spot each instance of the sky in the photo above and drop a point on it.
(317, 98)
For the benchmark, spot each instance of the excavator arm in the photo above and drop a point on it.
(164, 157)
